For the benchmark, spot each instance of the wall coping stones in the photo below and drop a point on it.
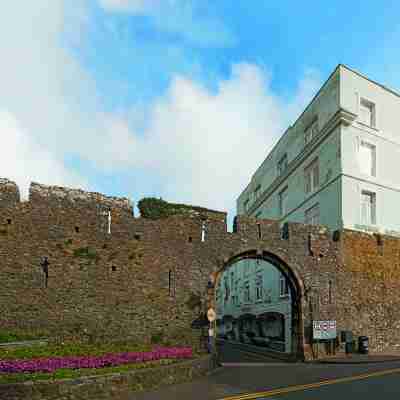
(45, 193)
(25, 343)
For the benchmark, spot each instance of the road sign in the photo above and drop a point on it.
(324, 330)
(211, 315)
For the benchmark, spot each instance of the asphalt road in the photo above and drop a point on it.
(253, 378)
(381, 387)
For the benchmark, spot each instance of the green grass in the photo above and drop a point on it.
(76, 373)
(7, 337)
(70, 349)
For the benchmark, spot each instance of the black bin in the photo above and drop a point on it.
(363, 344)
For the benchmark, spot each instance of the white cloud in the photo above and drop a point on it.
(202, 145)
(205, 146)
(23, 160)
(41, 86)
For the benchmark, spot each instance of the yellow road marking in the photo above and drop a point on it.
(251, 396)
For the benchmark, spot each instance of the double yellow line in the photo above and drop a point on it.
(251, 396)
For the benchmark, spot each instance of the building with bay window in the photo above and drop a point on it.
(336, 165)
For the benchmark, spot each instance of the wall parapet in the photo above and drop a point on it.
(9, 193)
(42, 194)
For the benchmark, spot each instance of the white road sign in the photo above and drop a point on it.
(324, 330)
(211, 315)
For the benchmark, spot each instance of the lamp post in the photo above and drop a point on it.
(211, 316)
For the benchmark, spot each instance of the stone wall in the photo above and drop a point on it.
(134, 283)
(9, 193)
(111, 386)
(371, 304)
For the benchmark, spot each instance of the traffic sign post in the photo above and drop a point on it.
(324, 330)
(211, 316)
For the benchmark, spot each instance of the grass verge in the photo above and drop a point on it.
(76, 373)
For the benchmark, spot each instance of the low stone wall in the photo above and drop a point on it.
(110, 386)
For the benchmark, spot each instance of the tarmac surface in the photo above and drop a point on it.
(245, 376)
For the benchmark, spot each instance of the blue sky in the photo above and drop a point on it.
(181, 99)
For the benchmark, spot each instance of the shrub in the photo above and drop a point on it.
(156, 338)
(153, 208)
(194, 301)
(86, 252)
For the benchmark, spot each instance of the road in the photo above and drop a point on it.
(249, 377)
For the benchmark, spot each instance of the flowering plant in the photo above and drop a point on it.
(107, 360)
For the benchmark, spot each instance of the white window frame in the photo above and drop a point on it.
(246, 292)
(372, 146)
(373, 207)
(309, 172)
(312, 215)
(311, 132)
(259, 287)
(283, 195)
(257, 192)
(282, 164)
(283, 286)
(366, 103)
(246, 270)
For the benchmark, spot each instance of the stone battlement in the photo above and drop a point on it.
(61, 195)
(9, 193)
(133, 277)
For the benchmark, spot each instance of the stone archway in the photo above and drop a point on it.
(295, 328)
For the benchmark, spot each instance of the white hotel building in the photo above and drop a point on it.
(339, 164)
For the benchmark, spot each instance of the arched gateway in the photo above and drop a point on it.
(258, 300)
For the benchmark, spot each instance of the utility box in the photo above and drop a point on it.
(363, 344)
(350, 347)
(346, 336)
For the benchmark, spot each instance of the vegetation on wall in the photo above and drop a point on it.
(194, 301)
(153, 208)
(86, 252)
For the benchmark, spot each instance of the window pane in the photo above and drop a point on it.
(368, 208)
(308, 181)
(367, 158)
(367, 112)
(316, 176)
(365, 115)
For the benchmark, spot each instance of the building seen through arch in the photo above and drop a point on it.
(254, 305)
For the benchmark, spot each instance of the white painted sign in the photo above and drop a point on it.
(211, 315)
(324, 330)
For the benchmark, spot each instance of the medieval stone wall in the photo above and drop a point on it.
(134, 283)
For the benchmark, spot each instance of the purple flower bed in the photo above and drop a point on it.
(106, 360)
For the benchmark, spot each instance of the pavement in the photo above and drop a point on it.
(360, 359)
(246, 376)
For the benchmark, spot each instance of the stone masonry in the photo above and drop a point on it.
(135, 282)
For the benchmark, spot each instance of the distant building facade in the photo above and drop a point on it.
(336, 165)
(254, 305)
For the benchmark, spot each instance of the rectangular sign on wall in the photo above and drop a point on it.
(324, 330)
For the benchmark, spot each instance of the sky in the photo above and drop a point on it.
(179, 99)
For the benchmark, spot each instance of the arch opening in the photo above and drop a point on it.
(257, 298)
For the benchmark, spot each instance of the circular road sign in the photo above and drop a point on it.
(211, 315)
